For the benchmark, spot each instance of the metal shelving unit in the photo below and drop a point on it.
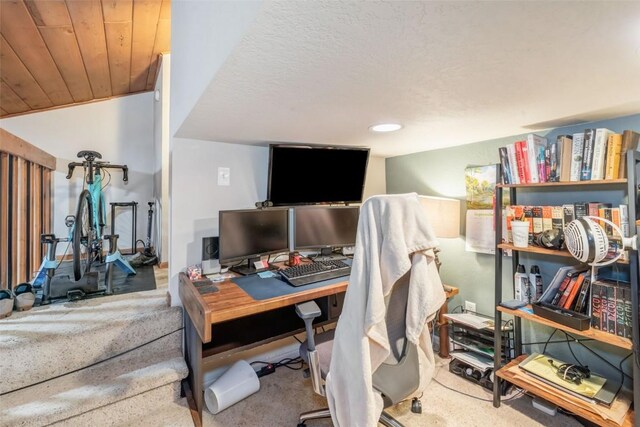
(633, 417)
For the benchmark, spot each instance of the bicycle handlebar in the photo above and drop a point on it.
(98, 165)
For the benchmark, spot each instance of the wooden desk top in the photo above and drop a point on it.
(231, 302)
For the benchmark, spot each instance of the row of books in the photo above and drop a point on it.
(558, 217)
(594, 154)
(611, 307)
(573, 291)
(607, 302)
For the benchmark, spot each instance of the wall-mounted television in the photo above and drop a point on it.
(311, 174)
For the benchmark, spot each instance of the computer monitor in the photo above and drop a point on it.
(325, 227)
(249, 234)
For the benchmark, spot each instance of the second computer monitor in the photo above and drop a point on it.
(325, 227)
(245, 235)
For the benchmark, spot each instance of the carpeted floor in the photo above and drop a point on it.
(286, 393)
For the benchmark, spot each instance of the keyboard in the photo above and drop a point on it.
(315, 272)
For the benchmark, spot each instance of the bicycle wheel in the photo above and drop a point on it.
(83, 236)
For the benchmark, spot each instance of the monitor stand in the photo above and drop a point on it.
(326, 254)
(248, 268)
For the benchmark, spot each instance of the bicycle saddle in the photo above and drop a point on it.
(90, 156)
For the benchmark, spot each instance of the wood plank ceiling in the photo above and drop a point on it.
(57, 53)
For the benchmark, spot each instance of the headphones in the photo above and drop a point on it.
(549, 239)
(571, 373)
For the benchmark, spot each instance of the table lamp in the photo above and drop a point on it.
(444, 216)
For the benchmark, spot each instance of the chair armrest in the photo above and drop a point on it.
(308, 311)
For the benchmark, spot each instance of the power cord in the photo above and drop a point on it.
(295, 364)
(520, 392)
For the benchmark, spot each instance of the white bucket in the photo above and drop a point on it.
(520, 233)
(238, 382)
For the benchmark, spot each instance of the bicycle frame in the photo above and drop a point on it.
(95, 189)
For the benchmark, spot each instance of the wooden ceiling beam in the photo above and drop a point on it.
(118, 22)
(162, 42)
(21, 33)
(86, 16)
(145, 22)
(10, 101)
(15, 74)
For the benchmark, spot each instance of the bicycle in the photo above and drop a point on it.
(85, 229)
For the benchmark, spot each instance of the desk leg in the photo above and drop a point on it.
(193, 349)
(444, 331)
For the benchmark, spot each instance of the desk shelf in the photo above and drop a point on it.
(556, 398)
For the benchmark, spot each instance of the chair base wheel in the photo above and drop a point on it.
(302, 425)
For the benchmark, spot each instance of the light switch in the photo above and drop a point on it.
(224, 176)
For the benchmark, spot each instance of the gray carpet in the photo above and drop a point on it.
(286, 393)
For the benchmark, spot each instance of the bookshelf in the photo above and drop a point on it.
(503, 372)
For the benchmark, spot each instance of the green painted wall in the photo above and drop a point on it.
(441, 173)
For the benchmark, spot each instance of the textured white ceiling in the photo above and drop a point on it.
(451, 72)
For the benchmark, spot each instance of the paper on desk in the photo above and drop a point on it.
(266, 274)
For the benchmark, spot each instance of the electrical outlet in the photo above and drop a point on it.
(470, 306)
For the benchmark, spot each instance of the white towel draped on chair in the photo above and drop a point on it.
(391, 228)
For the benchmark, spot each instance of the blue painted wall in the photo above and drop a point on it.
(441, 173)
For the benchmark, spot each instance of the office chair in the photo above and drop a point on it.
(396, 379)
(394, 289)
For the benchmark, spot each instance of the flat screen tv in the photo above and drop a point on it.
(311, 174)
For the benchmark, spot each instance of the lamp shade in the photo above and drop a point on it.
(443, 214)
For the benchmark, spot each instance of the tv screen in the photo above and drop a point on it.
(300, 175)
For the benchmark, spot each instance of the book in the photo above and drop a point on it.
(563, 286)
(528, 216)
(611, 308)
(547, 220)
(511, 152)
(614, 146)
(535, 152)
(583, 296)
(593, 208)
(580, 209)
(575, 289)
(624, 220)
(620, 311)
(568, 290)
(547, 163)
(596, 305)
(577, 147)
(522, 162)
(628, 312)
(536, 215)
(565, 143)
(555, 161)
(568, 215)
(505, 167)
(630, 140)
(599, 152)
(587, 154)
(557, 218)
(606, 214)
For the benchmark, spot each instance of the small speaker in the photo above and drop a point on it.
(210, 248)
(210, 263)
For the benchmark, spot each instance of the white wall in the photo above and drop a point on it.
(121, 129)
(203, 34)
(162, 142)
(375, 181)
(196, 198)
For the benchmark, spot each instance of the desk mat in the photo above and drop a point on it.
(259, 288)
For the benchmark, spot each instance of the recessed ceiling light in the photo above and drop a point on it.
(385, 127)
